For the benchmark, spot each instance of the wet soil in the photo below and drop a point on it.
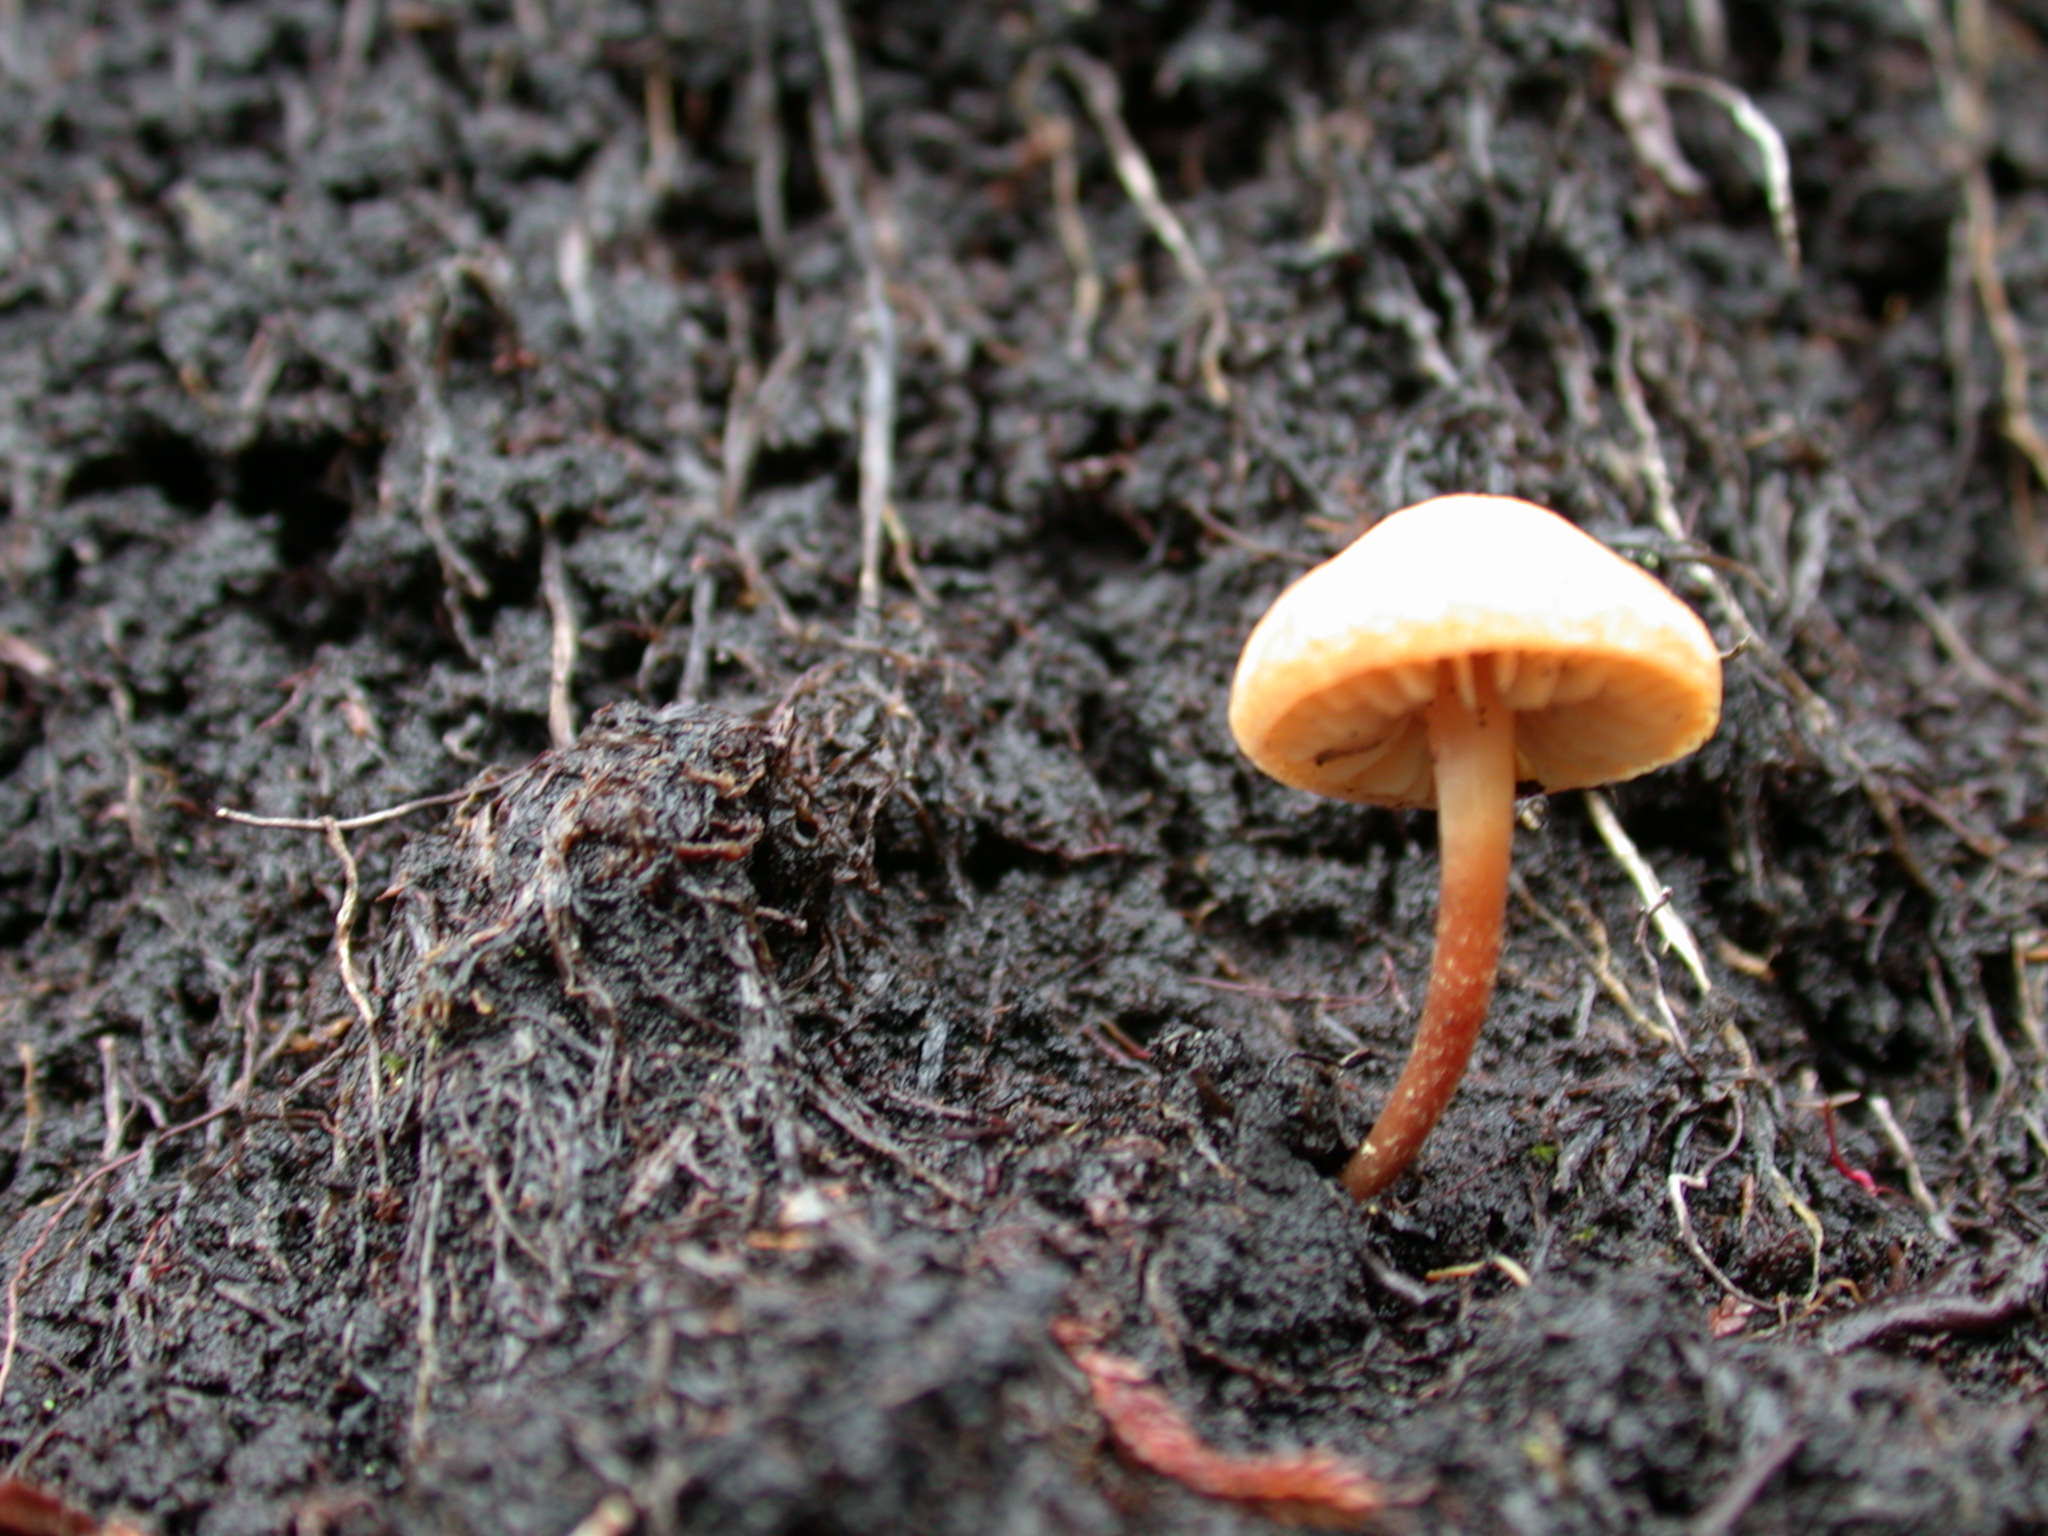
(716, 537)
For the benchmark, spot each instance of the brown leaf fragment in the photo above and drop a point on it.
(25, 1510)
(1308, 1488)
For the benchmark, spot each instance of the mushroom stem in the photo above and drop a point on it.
(1472, 739)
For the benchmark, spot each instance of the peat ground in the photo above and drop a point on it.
(769, 495)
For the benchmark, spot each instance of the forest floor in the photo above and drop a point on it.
(759, 996)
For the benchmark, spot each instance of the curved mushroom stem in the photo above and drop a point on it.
(1472, 739)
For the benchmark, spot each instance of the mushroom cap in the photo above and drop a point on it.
(1608, 673)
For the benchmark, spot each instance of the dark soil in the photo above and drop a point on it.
(702, 1124)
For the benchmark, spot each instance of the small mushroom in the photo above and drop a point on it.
(1458, 648)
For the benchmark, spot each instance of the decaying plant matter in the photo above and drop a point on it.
(798, 476)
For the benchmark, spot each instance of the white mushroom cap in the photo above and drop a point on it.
(1608, 673)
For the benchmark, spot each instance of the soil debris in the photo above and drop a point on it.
(706, 544)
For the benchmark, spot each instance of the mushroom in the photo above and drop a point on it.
(1458, 648)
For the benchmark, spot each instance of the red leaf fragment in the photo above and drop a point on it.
(25, 1510)
(1860, 1177)
(1729, 1317)
(1308, 1488)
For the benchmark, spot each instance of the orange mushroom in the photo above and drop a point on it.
(1458, 648)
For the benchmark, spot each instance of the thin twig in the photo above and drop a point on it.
(426, 1311)
(1269, 433)
(666, 165)
(1958, 344)
(1639, 105)
(457, 574)
(849, 1119)
(1808, 1218)
(1964, 976)
(1598, 958)
(1676, 1187)
(1073, 231)
(1916, 1186)
(31, 1098)
(1988, 1292)
(764, 132)
(1052, 138)
(1820, 716)
(423, 337)
(2028, 949)
(17, 1281)
(113, 1113)
(756, 397)
(840, 151)
(836, 151)
(1656, 896)
(697, 658)
(344, 954)
(351, 823)
(1315, 139)
(26, 658)
(1662, 998)
(133, 811)
(1723, 1514)
(1760, 131)
(1949, 637)
(572, 274)
(251, 1013)
(554, 586)
(1103, 97)
(1980, 211)
(841, 74)
(358, 30)
(1961, 63)
(263, 365)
